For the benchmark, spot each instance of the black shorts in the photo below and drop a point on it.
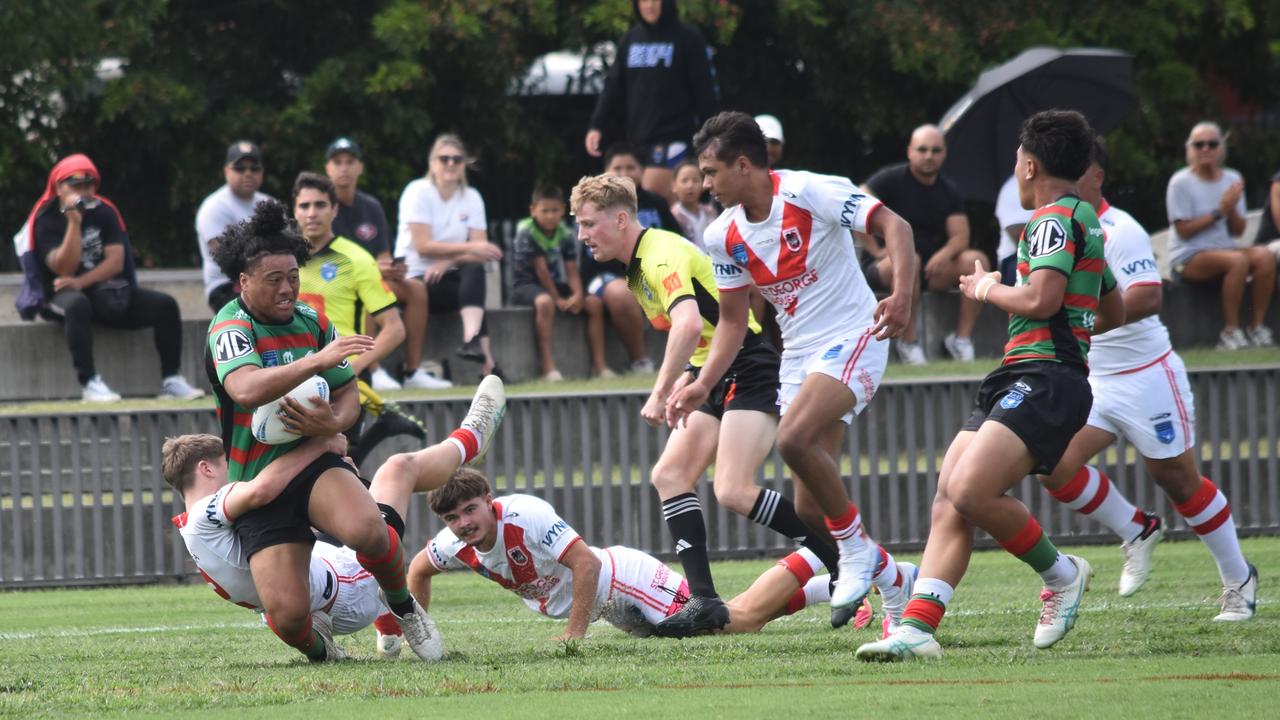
(285, 519)
(1044, 403)
(871, 271)
(526, 293)
(750, 383)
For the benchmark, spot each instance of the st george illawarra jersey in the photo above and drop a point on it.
(801, 257)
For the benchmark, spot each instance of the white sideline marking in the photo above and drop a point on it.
(1103, 606)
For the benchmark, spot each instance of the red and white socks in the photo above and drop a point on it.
(1209, 515)
(1091, 493)
(467, 443)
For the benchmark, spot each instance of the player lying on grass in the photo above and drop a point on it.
(344, 597)
(521, 543)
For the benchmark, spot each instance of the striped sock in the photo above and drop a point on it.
(1209, 515)
(847, 529)
(886, 576)
(387, 625)
(814, 592)
(1034, 548)
(1091, 493)
(306, 641)
(389, 571)
(466, 442)
(927, 606)
(684, 519)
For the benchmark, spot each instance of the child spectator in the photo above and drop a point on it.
(545, 276)
(693, 215)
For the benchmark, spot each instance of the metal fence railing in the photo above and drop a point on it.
(82, 500)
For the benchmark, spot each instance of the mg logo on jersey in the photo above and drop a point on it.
(230, 345)
(1047, 238)
(517, 556)
(791, 236)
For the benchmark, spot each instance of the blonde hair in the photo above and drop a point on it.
(448, 139)
(180, 455)
(607, 192)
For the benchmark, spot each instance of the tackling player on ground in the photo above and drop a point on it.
(672, 280)
(1141, 392)
(1027, 410)
(789, 234)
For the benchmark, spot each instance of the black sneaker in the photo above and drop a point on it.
(470, 350)
(843, 616)
(699, 616)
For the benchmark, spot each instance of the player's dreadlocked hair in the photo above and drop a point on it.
(1061, 140)
(269, 231)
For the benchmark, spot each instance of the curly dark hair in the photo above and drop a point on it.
(270, 231)
(1061, 140)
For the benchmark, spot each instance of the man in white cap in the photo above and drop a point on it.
(773, 137)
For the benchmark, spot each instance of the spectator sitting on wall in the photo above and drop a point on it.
(660, 89)
(545, 276)
(932, 205)
(1269, 227)
(86, 267)
(1205, 201)
(1011, 217)
(362, 220)
(226, 206)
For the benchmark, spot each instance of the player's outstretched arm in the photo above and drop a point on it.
(252, 385)
(725, 344)
(1039, 299)
(276, 476)
(585, 567)
(421, 570)
(894, 312)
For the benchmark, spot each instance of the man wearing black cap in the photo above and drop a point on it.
(228, 205)
(362, 220)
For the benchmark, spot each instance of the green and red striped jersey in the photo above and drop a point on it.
(1065, 236)
(237, 339)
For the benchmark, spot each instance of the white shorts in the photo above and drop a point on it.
(857, 360)
(1152, 408)
(637, 590)
(355, 603)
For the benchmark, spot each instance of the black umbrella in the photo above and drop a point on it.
(982, 127)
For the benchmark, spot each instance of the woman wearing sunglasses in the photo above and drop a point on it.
(1206, 209)
(444, 241)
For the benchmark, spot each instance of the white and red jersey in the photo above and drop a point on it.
(220, 558)
(525, 558)
(801, 257)
(1137, 344)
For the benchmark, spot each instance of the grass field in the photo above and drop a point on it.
(175, 650)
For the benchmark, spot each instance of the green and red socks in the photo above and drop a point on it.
(389, 570)
(1033, 547)
(307, 640)
(927, 606)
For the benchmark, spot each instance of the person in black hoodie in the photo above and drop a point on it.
(660, 89)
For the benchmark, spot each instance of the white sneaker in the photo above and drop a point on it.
(858, 558)
(895, 603)
(389, 645)
(605, 374)
(553, 376)
(1232, 340)
(1062, 606)
(423, 380)
(177, 387)
(97, 391)
(421, 634)
(1137, 556)
(1240, 602)
(643, 366)
(323, 624)
(1261, 337)
(960, 348)
(383, 382)
(488, 407)
(906, 643)
(910, 353)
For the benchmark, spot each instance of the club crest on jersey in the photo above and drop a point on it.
(1164, 431)
(1047, 238)
(791, 236)
(328, 271)
(517, 556)
(739, 253)
(1012, 400)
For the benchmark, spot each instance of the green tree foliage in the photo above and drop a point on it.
(848, 79)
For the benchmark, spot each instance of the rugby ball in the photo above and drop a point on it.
(267, 426)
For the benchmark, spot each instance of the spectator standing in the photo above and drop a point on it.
(86, 269)
(444, 240)
(774, 140)
(659, 90)
(606, 282)
(1205, 201)
(545, 276)
(361, 219)
(918, 192)
(693, 215)
(224, 207)
(1012, 218)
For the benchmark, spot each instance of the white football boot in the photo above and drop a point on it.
(1241, 601)
(1138, 554)
(1062, 606)
(905, 643)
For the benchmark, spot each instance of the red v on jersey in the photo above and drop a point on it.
(783, 258)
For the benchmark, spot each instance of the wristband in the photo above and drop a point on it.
(983, 289)
(1216, 214)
